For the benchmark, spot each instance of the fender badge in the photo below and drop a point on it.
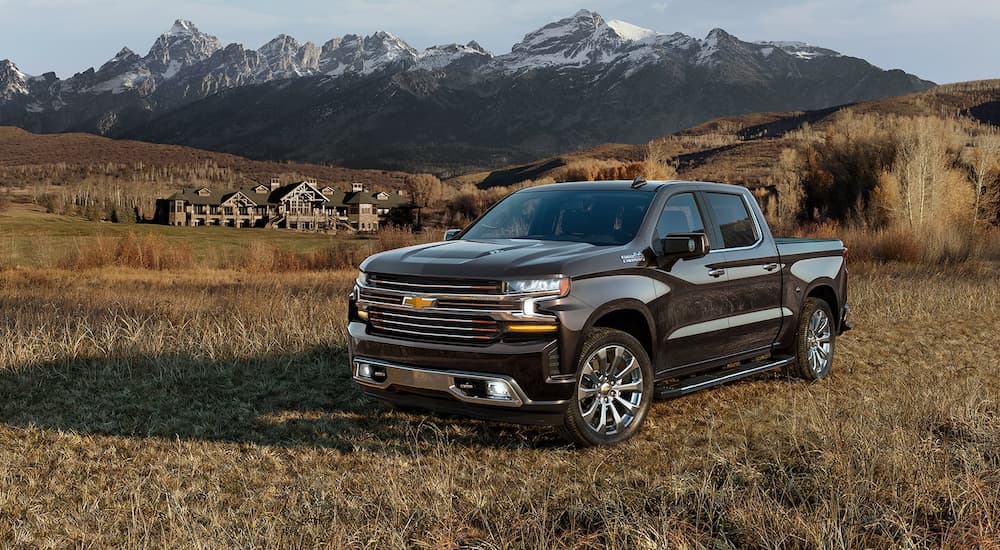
(632, 258)
(419, 302)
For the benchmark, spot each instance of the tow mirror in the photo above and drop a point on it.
(451, 234)
(682, 246)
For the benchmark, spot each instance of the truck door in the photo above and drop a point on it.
(752, 268)
(691, 316)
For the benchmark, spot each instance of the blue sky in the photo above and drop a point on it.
(941, 41)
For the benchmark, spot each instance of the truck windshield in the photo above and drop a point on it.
(600, 217)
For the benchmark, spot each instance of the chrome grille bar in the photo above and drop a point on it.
(426, 324)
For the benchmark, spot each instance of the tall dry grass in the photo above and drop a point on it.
(156, 252)
(214, 408)
(927, 247)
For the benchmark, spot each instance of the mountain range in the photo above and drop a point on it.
(375, 101)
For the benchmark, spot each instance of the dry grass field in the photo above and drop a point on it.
(212, 408)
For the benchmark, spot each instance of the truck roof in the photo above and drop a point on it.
(649, 186)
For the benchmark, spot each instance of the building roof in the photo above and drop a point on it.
(394, 200)
(334, 198)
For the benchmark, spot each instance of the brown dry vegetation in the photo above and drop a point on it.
(213, 408)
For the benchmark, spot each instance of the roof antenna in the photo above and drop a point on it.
(638, 182)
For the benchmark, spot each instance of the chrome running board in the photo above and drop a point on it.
(701, 382)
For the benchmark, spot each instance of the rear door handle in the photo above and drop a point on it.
(716, 273)
(770, 267)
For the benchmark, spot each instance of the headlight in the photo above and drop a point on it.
(362, 278)
(556, 286)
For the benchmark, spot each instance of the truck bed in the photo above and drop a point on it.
(789, 246)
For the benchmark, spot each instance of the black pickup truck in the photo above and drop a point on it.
(576, 304)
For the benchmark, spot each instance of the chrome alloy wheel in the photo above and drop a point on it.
(818, 340)
(609, 393)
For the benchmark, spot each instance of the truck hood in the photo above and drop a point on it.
(489, 259)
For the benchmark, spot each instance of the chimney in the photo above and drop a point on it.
(275, 183)
(357, 187)
(311, 181)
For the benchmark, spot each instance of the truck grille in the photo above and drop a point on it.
(421, 285)
(427, 325)
(394, 298)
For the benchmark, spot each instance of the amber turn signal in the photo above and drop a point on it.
(532, 327)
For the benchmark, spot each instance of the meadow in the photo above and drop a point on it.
(211, 406)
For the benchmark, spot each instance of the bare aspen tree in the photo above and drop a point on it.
(425, 190)
(788, 184)
(922, 166)
(983, 159)
(656, 164)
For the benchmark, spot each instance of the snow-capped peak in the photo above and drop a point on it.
(122, 54)
(581, 26)
(581, 40)
(12, 81)
(182, 27)
(439, 57)
(281, 42)
(365, 55)
(710, 47)
(183, 43)
(631, 32)
(284, 57)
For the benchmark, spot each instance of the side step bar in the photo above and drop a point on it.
(705, 381)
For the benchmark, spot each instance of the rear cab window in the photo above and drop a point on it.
(733, 220)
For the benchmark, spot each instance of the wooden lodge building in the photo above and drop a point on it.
(302, 205)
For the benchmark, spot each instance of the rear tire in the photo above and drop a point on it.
(614, 390)
(815, 341)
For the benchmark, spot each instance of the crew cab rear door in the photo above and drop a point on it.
(745, 251)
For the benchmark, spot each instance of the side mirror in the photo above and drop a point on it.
(451, 234)
(682, 246)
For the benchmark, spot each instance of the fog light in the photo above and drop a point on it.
(364, 371)
(497, 390)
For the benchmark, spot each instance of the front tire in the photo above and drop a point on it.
(614, 390)
(815, 341)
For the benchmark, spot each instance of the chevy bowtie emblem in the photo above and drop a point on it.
(419, 302)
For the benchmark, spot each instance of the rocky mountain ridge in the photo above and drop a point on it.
(189, 86)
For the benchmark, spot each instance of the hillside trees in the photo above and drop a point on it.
(882, 171)
(982, 159)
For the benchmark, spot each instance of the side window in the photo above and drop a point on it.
(735, 222)
(680, 215)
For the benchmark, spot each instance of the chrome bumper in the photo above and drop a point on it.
(385, 374)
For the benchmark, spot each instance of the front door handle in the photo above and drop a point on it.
(716, 273)
(770, 267)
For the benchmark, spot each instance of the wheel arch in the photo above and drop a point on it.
(630, 316)
(824, 291)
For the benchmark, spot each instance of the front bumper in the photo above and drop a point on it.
(450, 378)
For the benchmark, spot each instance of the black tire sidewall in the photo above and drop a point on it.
(575, 428)
(802, 341)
